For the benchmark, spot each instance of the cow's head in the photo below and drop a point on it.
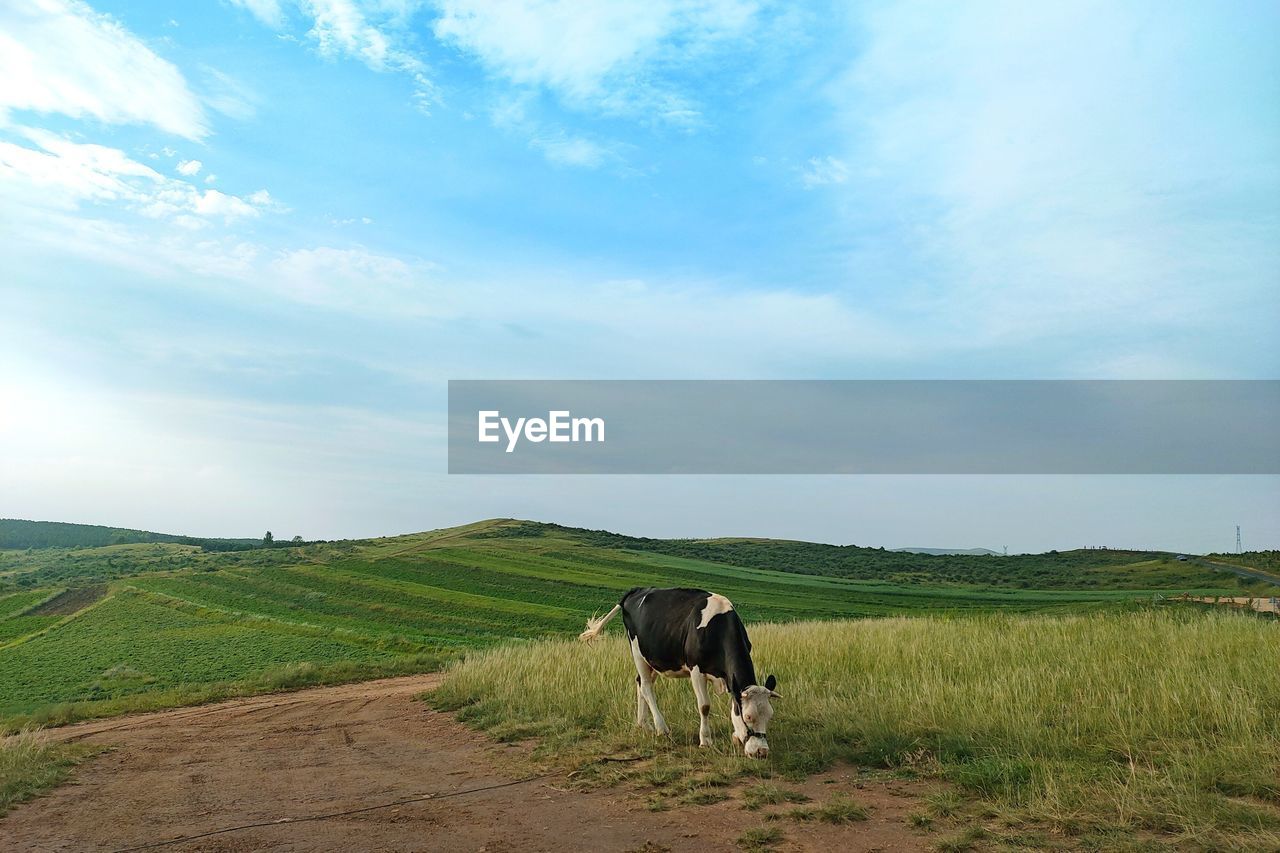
(754, 711)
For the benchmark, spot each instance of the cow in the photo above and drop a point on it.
(694, 634)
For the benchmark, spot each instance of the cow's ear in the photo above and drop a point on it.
(769, 684)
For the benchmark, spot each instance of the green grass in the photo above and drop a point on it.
(770, 794)
(157, 648)
(760, 838)
(1162, 723)
(837, 810)
(30, 764)
(16, 603)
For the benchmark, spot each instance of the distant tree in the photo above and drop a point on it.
(297, 540)
(268, 539)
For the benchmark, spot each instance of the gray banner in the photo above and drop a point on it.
(864, 427)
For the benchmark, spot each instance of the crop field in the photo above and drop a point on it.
(131, 643)
(98, 630)
(1156, 729)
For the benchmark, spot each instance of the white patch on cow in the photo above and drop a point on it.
(704, 706)
(645, 672)
(716, 604)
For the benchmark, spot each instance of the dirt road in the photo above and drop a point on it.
(275, 759)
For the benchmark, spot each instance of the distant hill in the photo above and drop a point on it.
(971, 552)
(19, 534)
(81, 553)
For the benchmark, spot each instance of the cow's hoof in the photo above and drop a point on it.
(704, 744)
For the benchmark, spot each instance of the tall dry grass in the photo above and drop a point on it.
(29, 763)
(1159, 722)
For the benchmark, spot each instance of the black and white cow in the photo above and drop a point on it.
(694, 634)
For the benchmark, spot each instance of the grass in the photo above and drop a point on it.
(275, 679)
(162, 647)
(770, 794)
(963, 841)
(760, 838)
(30, 764)
(1160, 723)
(837, 810)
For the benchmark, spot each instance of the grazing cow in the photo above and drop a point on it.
(694, 634)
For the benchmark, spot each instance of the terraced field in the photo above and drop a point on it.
(142, 625)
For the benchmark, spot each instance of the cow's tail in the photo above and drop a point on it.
(596, 624)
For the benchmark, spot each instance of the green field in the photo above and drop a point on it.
(180, 622)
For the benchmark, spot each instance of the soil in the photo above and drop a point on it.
(70, 601)
(280, 758)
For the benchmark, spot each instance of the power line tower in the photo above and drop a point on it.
(1239, 549)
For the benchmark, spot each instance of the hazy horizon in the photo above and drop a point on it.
(726, 527)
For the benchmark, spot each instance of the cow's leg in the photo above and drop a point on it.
(645, 673)
(699, 682)
(642, 670)
(642, 713)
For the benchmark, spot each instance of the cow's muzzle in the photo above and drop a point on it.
(756, 747)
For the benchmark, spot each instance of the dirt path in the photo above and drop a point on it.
(286, 756)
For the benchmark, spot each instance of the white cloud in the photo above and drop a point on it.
(820, 171)
(189, 167)
(60, 56)
(60, 174)
(268, 12)
(218, 204)
(229, 96)
(370, 31)
(353, 279)
(559, 147)
(571, 151)
(340, 28)
(599, 54)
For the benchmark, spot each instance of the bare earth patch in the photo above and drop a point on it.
(70, 601)
(278, 758)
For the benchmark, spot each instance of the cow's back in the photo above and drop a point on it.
(667, 624)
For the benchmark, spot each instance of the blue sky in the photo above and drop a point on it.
(247, 242)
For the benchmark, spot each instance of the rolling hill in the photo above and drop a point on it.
(16, 533)
(102, 628)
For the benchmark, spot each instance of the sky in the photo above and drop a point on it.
(247, 242)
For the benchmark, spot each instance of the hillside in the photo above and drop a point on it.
(158, 623)
(965, 552)
(17, 533)
(1077, 569)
